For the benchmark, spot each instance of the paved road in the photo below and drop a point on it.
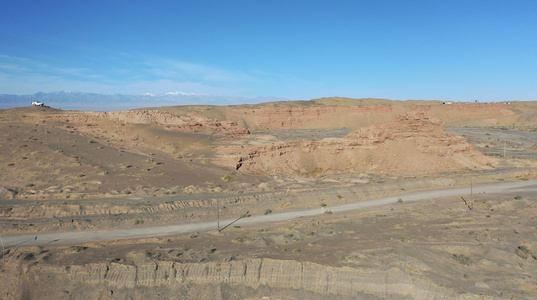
(82, 237)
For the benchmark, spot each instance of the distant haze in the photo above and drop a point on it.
(101, 102)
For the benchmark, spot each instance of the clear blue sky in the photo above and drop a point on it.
(436, 49)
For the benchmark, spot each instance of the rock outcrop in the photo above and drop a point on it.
(6, 194)
(412, 144)
(276, 275)
(190, 123)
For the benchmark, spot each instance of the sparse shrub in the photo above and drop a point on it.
(268, 211)
(524, 249)
(228, 177)
(78, 248)
(297, 251)
(241, 239)
(328, 212)
(405, 239)
(462, 259)
(349, 258)
(400, 200)
(29, 256)
(30, 265)
(138, 222)
(518, 197)
(339, 196)
(39, 250)
(524, 252)
(193, 236)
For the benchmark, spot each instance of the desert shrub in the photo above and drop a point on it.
(78, 248)
(524, 249)
(400, 200)
(348, 258)
(518, 197)
(268, 211)
(228, 177)
(138, 222)
(524, 252)
(241, 239)
(462, 259)
(405, 239)
(28, 256)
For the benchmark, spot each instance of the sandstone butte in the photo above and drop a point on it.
(413, 143)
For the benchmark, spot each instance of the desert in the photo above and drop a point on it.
(336, 198)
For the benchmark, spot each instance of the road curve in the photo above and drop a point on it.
(82, 237)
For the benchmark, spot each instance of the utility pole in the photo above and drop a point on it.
(471, 194)
(218, 214)
(3, 249)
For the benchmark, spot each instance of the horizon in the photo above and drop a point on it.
(422, 50)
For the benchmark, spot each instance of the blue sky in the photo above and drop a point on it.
(446, 50)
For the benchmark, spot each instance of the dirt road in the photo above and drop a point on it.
(81, 237)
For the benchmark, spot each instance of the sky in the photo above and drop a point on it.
(458, 50)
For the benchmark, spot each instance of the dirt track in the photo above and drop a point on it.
(71, 238)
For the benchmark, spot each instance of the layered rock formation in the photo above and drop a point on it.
(189, 123)
(413, 143)
(125, 281)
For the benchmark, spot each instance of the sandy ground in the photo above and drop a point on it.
(487, 251)
(107, 196)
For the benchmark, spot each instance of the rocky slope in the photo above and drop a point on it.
(413, 143)
(115, 280)
(354, 113)
(189, 123)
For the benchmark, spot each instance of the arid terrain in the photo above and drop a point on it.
(330, 198)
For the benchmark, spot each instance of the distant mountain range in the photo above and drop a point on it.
(67, 100)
